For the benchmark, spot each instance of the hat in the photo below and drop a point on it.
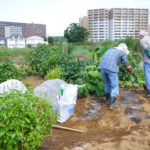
(123, 47)
(143, 32)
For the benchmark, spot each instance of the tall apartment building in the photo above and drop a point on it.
(127, 22)
(149, 29)
(83, 21)
(116, 23)
(98, 24)
(24, 29)
(12, 30)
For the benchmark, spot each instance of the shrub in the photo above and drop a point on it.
(71, 47)
(71, 69)
(53, 74)
(107, 44)
(24, 120)
(38, 59)
(42, 59)
(92, 80)
(9, 71)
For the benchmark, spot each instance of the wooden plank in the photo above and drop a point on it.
(66, 128)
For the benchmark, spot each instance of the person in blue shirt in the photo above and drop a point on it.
(145, 43)
(109, 68)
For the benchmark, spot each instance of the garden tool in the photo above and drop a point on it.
(112, 103)
(129, 68)
(135, 78)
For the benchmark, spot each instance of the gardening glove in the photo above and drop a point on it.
(129, 68)
(135, 78)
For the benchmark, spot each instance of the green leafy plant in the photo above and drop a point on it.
(70, 47)
(29, 85)
(24, 120)
(9, 71)
(44, 58)
(71, 69)
(53, 74)
(92, 81)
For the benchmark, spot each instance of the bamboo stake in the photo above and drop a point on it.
(66, 128)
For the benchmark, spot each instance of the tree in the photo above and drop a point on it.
(45, 39)
(75, 33)
(50, 40)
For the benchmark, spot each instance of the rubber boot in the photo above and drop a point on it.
(107, 98)
(145, 87)
(147, 94)
(112, 103)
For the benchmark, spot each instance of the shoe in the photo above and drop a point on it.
(112, 103)
(147, 94)
(107, 98)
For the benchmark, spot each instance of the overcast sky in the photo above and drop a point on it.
(58, 14)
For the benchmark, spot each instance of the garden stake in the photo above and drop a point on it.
(66, 128)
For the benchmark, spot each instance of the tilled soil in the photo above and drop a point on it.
(125, 128)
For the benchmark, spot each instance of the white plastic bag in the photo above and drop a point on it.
(8, 85)
(67, 101)
(61, 95)
(49, 90)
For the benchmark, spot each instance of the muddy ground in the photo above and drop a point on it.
(126, 128)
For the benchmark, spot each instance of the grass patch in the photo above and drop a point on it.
(15, 51)
(77, 52)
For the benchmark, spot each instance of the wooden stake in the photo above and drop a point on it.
(66, 128)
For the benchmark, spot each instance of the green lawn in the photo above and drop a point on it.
(7, 52)
(77, 52)
(15, 51)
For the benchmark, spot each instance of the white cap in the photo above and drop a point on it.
(123, 47)
(143, 32)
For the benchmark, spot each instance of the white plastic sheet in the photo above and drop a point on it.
(8, 85)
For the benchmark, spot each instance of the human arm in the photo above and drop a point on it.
(128, 67)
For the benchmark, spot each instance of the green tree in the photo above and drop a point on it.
(45, 38)
(75, 33)
(50, 40)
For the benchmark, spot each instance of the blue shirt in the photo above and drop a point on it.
(112, 59)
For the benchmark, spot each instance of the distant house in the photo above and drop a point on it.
(2, 42)
(15, 41)
(33, 41)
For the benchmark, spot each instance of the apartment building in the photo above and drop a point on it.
(116, 23)
(23, 29)
(149, 29)
(125, 22)
(98, 24)
(12, 30)
(83, 22)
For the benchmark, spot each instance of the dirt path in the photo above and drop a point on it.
(126, 128)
